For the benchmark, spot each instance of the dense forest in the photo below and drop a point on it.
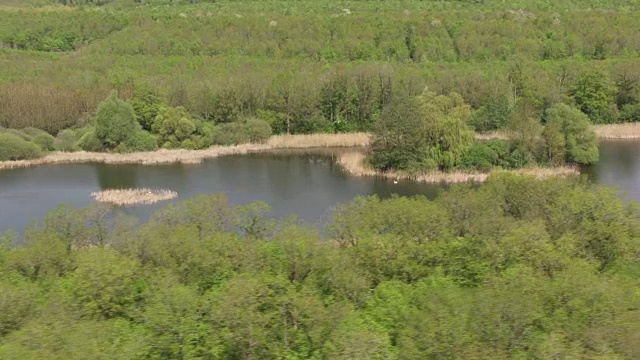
(317, 66)
(518, 268)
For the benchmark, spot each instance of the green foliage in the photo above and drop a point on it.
(90, 142)
(105, 285)
(491, 154)
(515, 268)
(569, 136)
(176, 129)
(422, 133)
(593, 93)
(146, 104)
(249, 130)
(141, 141)
(41, 138)
(13, 147)
(115, 122)
(259, 131)
(66, 141)
(494, 115)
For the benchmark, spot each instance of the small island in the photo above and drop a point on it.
(128, 197)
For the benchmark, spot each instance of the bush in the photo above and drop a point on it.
(115, 122)
(485, 155)
(41, 138)
(176, 129)
(13, 147)
(230, 134)
(142, 141)
(258, 130)
(90, 142)
(315, 123)
(479, 157)
(581, 144)
(66, 141)
(630, 113)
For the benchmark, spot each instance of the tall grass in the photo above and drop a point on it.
(628, 131)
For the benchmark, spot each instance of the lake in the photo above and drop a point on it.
(307, 183)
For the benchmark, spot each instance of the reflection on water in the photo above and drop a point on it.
(619, 167)
(303, 182)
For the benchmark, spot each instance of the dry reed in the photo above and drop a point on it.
(353, 162)
(133, 196)
(181, 156)
(319, 140)
(628, 131)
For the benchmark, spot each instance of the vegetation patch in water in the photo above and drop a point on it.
(133, 196)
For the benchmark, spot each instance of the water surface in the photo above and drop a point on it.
(306, 182)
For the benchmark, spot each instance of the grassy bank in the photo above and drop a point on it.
(353, 162)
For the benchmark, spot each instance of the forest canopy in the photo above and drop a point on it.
(515, 268)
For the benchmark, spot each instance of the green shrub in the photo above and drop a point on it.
(41, 138)
(24, 136)
(258, 130)
(90, 142)
(230, 134)
(142, 141)
(630, 113)
(66, 141)
(315, 123)
(176, 129)
(13, 147)
(115, 122)
(479, 157)
(485, 155)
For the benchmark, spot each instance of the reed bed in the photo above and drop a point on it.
(353, 162)
(133, 196)
(182, 156)
(627, 131)
(359, 139)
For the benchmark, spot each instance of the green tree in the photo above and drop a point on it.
(569, 127)
(115, 122)
(422, 133)
(594, 94)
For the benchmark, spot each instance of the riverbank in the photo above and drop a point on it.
(353, 162)
(182, 156)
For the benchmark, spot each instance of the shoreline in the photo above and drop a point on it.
(182, 156)
(353, 163)
(350, 161)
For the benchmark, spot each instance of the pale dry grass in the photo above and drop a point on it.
(180, 156)
(490, 135)
(319, 140)
(628, 131)
(353, 162)
(133, 196)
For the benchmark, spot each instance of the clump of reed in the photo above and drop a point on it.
(354, 163)
(133, 196)
(359, 139)
(626, 131)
